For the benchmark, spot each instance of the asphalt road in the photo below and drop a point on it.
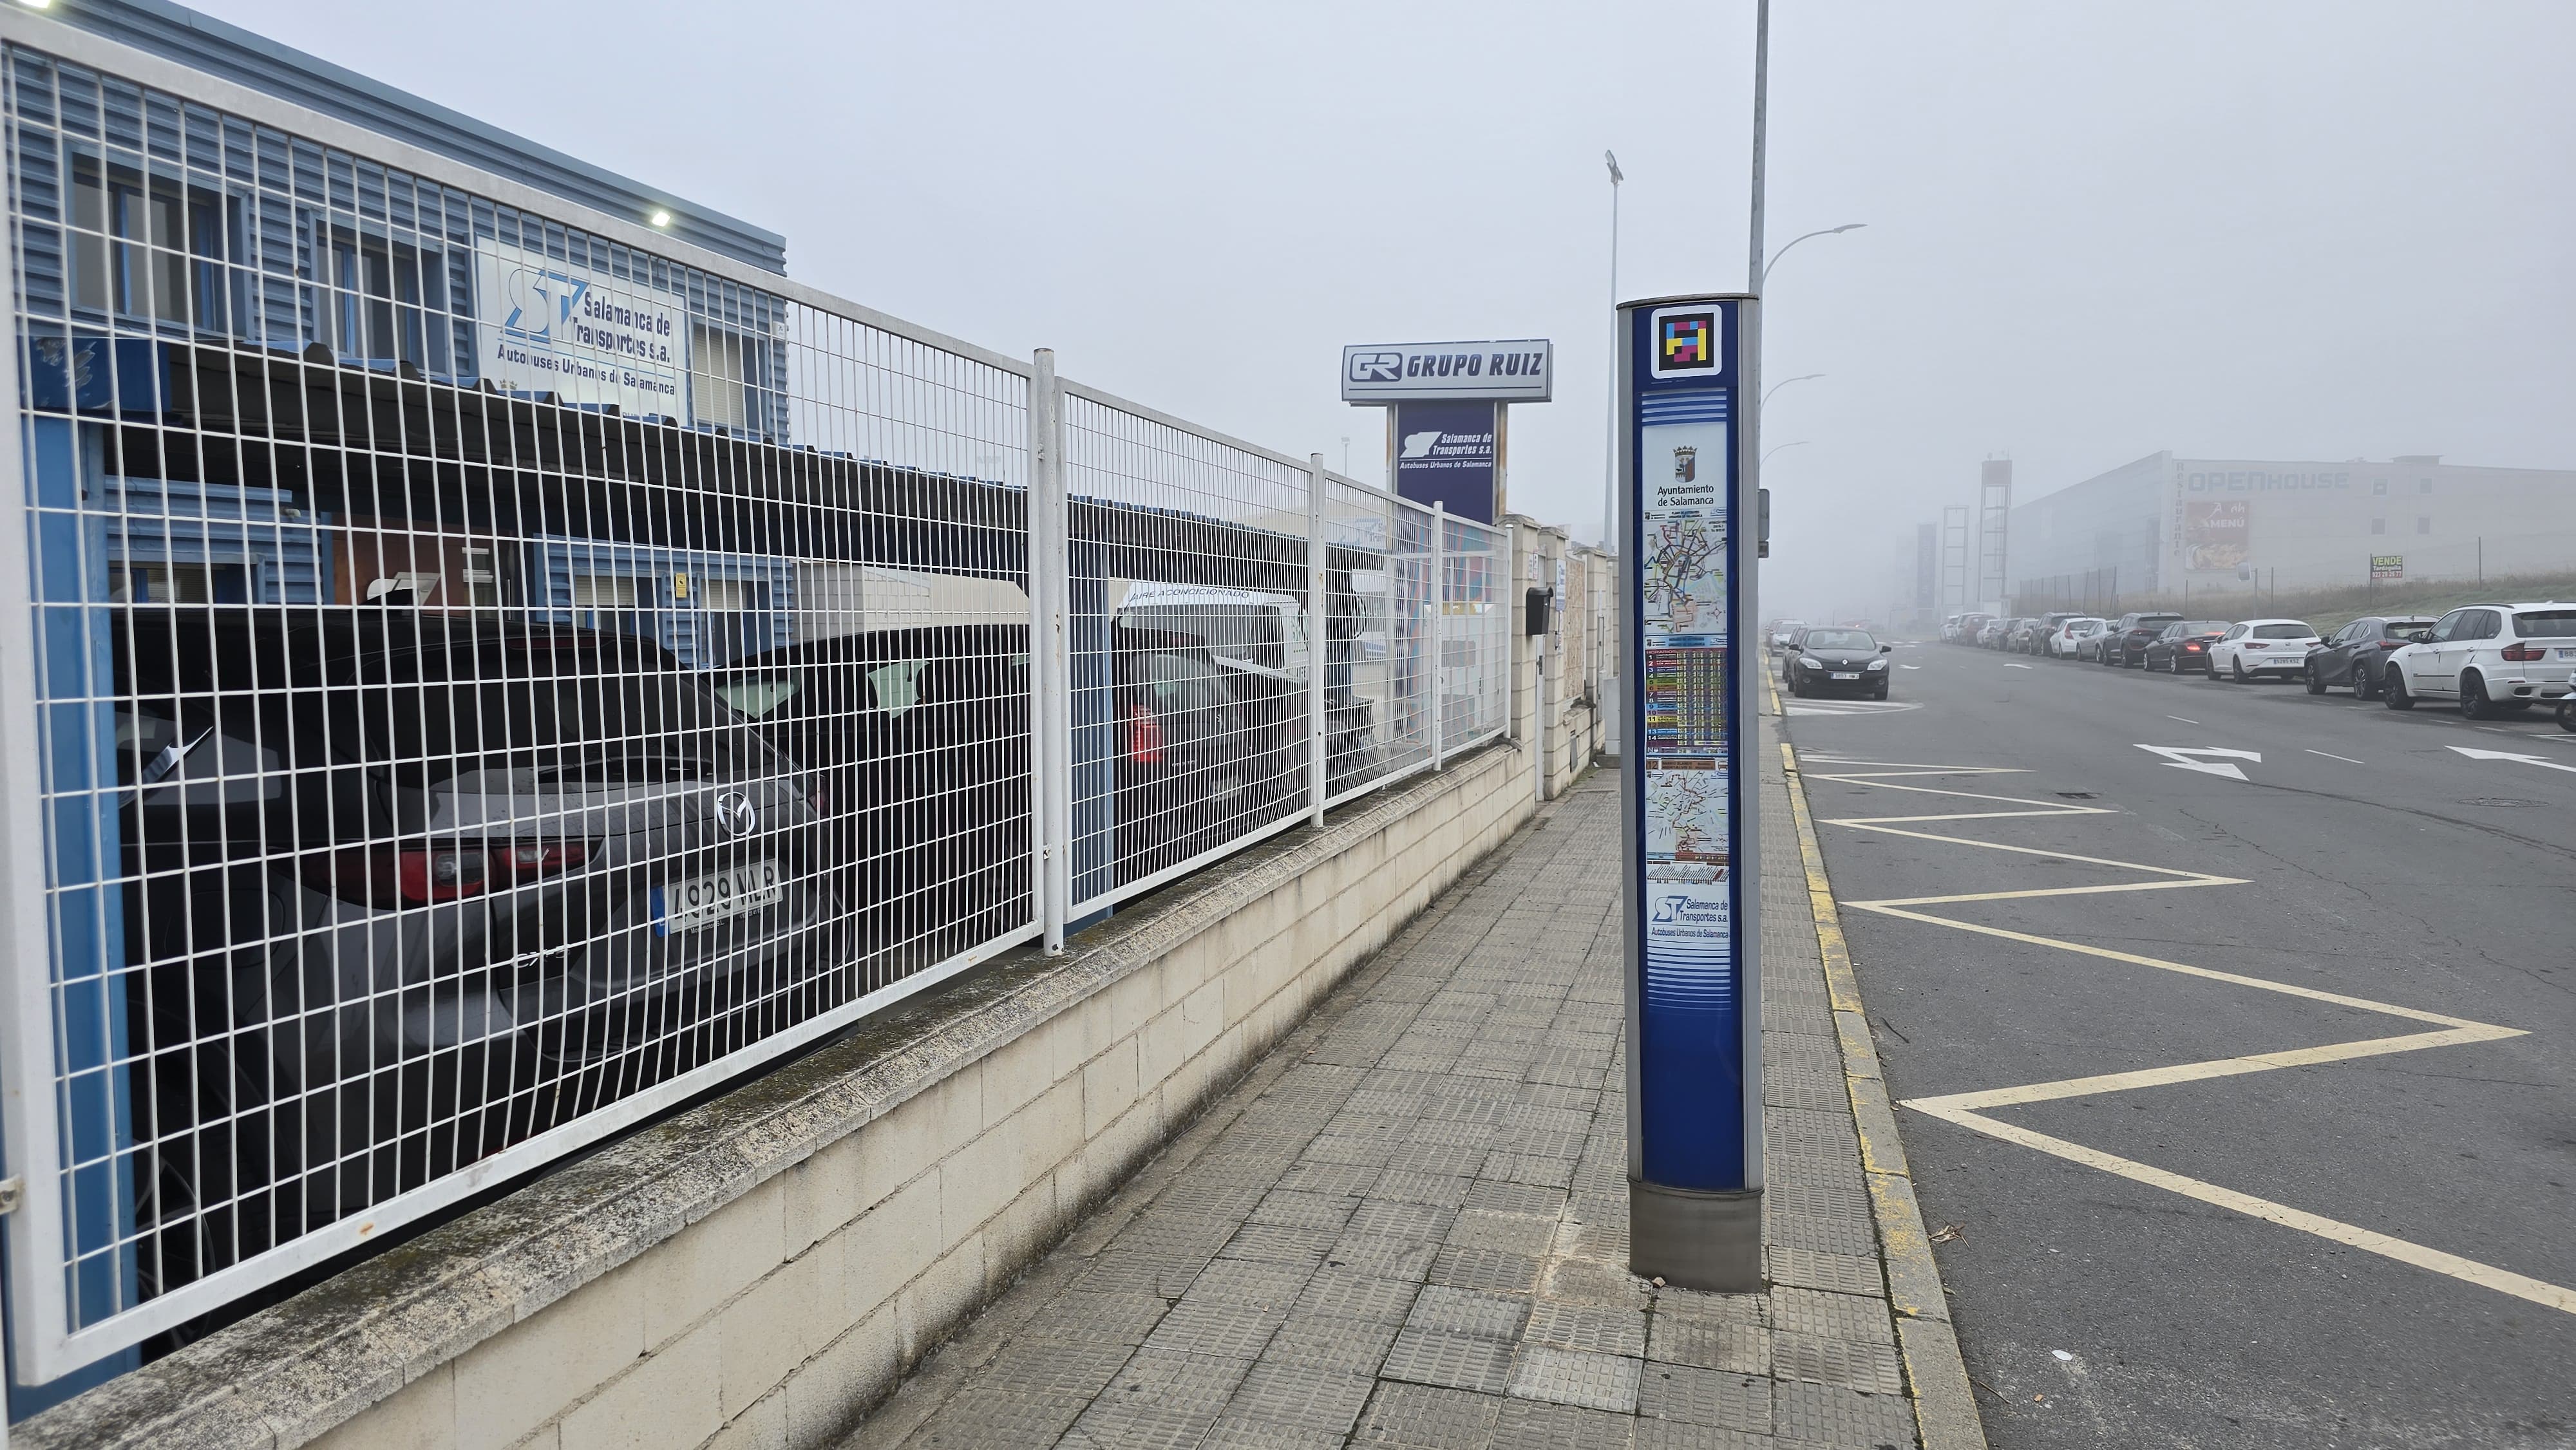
(2097, 1309)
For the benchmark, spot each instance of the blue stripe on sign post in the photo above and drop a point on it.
(1686, 481)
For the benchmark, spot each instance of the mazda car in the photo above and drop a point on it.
(406, 887)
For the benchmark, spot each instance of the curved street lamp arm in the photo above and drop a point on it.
(1793, 241)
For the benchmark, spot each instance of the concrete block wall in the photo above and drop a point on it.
(760, 1270)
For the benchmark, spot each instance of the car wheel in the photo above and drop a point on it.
(2236, 672)
(1879, 694)
(2474, 704)
(2362, 689)
(2316, 682)
(2567, 714)
(2393, 691)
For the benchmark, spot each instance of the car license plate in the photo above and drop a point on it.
(704, 900)
(1846, 677)
(2567, 654)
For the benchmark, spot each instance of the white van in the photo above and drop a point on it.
(1247, 629)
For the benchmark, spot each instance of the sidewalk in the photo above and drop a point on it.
(1408, 1226)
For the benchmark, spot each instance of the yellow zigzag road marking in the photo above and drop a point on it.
(1964, 1108)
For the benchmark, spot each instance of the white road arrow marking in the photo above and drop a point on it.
(2185, 757)
(2509, 755)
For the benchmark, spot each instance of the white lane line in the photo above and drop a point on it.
(2503, 1281)
(2509, 755)
(2330, 755)
(2178, 717)
(2010, 665)
(2191, 757)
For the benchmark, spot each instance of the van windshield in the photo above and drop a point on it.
(1239, 631)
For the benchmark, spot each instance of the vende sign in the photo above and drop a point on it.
(1518, 371)
(2387, 566)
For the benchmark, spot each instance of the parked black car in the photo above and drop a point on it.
(1195, 765)
(2183, 647)
(2357, 654)
(403, 888)
(919, 741)
(1837, 661)
(2124, 646)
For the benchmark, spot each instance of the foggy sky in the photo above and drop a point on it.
(2280, 230)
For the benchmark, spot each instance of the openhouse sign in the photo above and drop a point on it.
(1446, 408)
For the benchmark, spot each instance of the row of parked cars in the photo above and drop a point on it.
(402, 887)
(2486, 659)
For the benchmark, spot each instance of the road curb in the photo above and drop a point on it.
(1945, 1408)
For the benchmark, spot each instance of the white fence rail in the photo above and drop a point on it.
(476, 674)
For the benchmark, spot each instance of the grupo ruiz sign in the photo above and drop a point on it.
(1518, 371)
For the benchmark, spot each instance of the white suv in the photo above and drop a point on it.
(2260, 647)
(2489, 657)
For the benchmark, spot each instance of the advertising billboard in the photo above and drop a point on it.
(547, 326)
(1686, 504)
(1449, 453)
(1519, 371)
(2215, 534)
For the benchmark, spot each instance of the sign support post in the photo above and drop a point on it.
(1689, 677)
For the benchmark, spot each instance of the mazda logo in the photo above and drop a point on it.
(734, 814)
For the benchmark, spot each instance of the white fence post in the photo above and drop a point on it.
(1318, 631)
(1439, 630)
(1050, 666)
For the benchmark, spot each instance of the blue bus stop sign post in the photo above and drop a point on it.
(1687, 503)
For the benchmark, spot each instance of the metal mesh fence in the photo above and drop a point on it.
(485, 681)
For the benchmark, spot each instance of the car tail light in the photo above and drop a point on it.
(2525, 653)
(415, 875)
(2394, 643)
(2192, 648)
(819, 796)
(1144, 736)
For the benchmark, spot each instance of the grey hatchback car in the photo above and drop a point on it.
(403, 888)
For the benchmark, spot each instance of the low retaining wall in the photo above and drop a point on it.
(762, 1269)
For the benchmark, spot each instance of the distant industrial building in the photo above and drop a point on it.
(2164, 523)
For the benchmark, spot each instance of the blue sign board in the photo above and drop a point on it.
(1446, 452)
(1687, 504)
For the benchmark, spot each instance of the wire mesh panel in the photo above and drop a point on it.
(1476, 624)
(486, 681)
(1191, 644)
(1368, 714)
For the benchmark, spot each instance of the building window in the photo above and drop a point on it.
(2423, 523)
(2379, 526)
(2424, 485)
(716, 361)
(2379, 485)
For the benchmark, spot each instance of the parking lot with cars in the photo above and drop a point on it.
(2229, 1026)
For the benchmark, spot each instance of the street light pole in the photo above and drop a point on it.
(1761, 100)
(1766, 457)
(1610, 379)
